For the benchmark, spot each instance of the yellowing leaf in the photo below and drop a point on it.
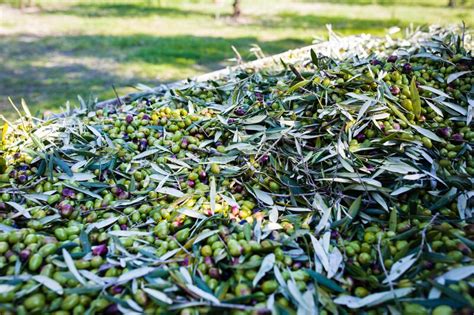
(415, 98)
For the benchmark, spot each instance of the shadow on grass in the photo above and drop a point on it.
(124, 10)
(49, 70)
(392, 3)
(339, 23)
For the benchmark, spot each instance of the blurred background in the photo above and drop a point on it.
(53, 50)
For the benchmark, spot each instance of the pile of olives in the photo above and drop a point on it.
(262, 192)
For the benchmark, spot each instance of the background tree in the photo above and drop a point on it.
(24, 3)
(236, 9)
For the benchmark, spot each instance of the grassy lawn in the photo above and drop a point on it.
(50, 54)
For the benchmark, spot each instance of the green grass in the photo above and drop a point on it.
(86, 47)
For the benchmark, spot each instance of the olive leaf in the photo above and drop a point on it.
(170, 191)
(453, 76)
(427, 133)
(203, 294)
(399, 267)
(263, 196)
(435, 91)
(372, 299)
(145, 154)
(456, 274)
(93, 277)
(212, 194)
(203, 235)
(5, 288)
(22, 211)
(415, 98)
(101, 224)
(72, 268)
(160, 296)
(134, 274)
(320, 252)
(79, 177)
(267, 264)
(84, 191)
(128, 233)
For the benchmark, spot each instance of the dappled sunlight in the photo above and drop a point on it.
(56, 68)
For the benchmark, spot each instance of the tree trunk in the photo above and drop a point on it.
(236, 7)
(452, 3)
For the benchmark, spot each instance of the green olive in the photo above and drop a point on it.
(269, 286)
(69, 302)
(35, 262)
(35, 301)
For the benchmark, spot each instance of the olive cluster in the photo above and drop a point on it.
(242, 190)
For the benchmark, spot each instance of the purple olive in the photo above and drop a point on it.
(264, 159)
(23, 167)
(202, 175)
(117, 190)
(185, 262)
(191, 183)
(230, 120)
(444, 132)
(123, 227)
(129, 118)
(375, 62)
(360, 137)
(240, 111)
(407, 68)
(146, 117)
(67, 192)
(66, 210)
(25, 254)
(112, 309)
(392, 58)
(238, 188)
(123, 195)
(214, 273)
(259, 96)
(117, 289)
(23, 178)
(100, 250)
(395, 90)
(463, 248)
(457, 138)
(428, 264)
(143, 144)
